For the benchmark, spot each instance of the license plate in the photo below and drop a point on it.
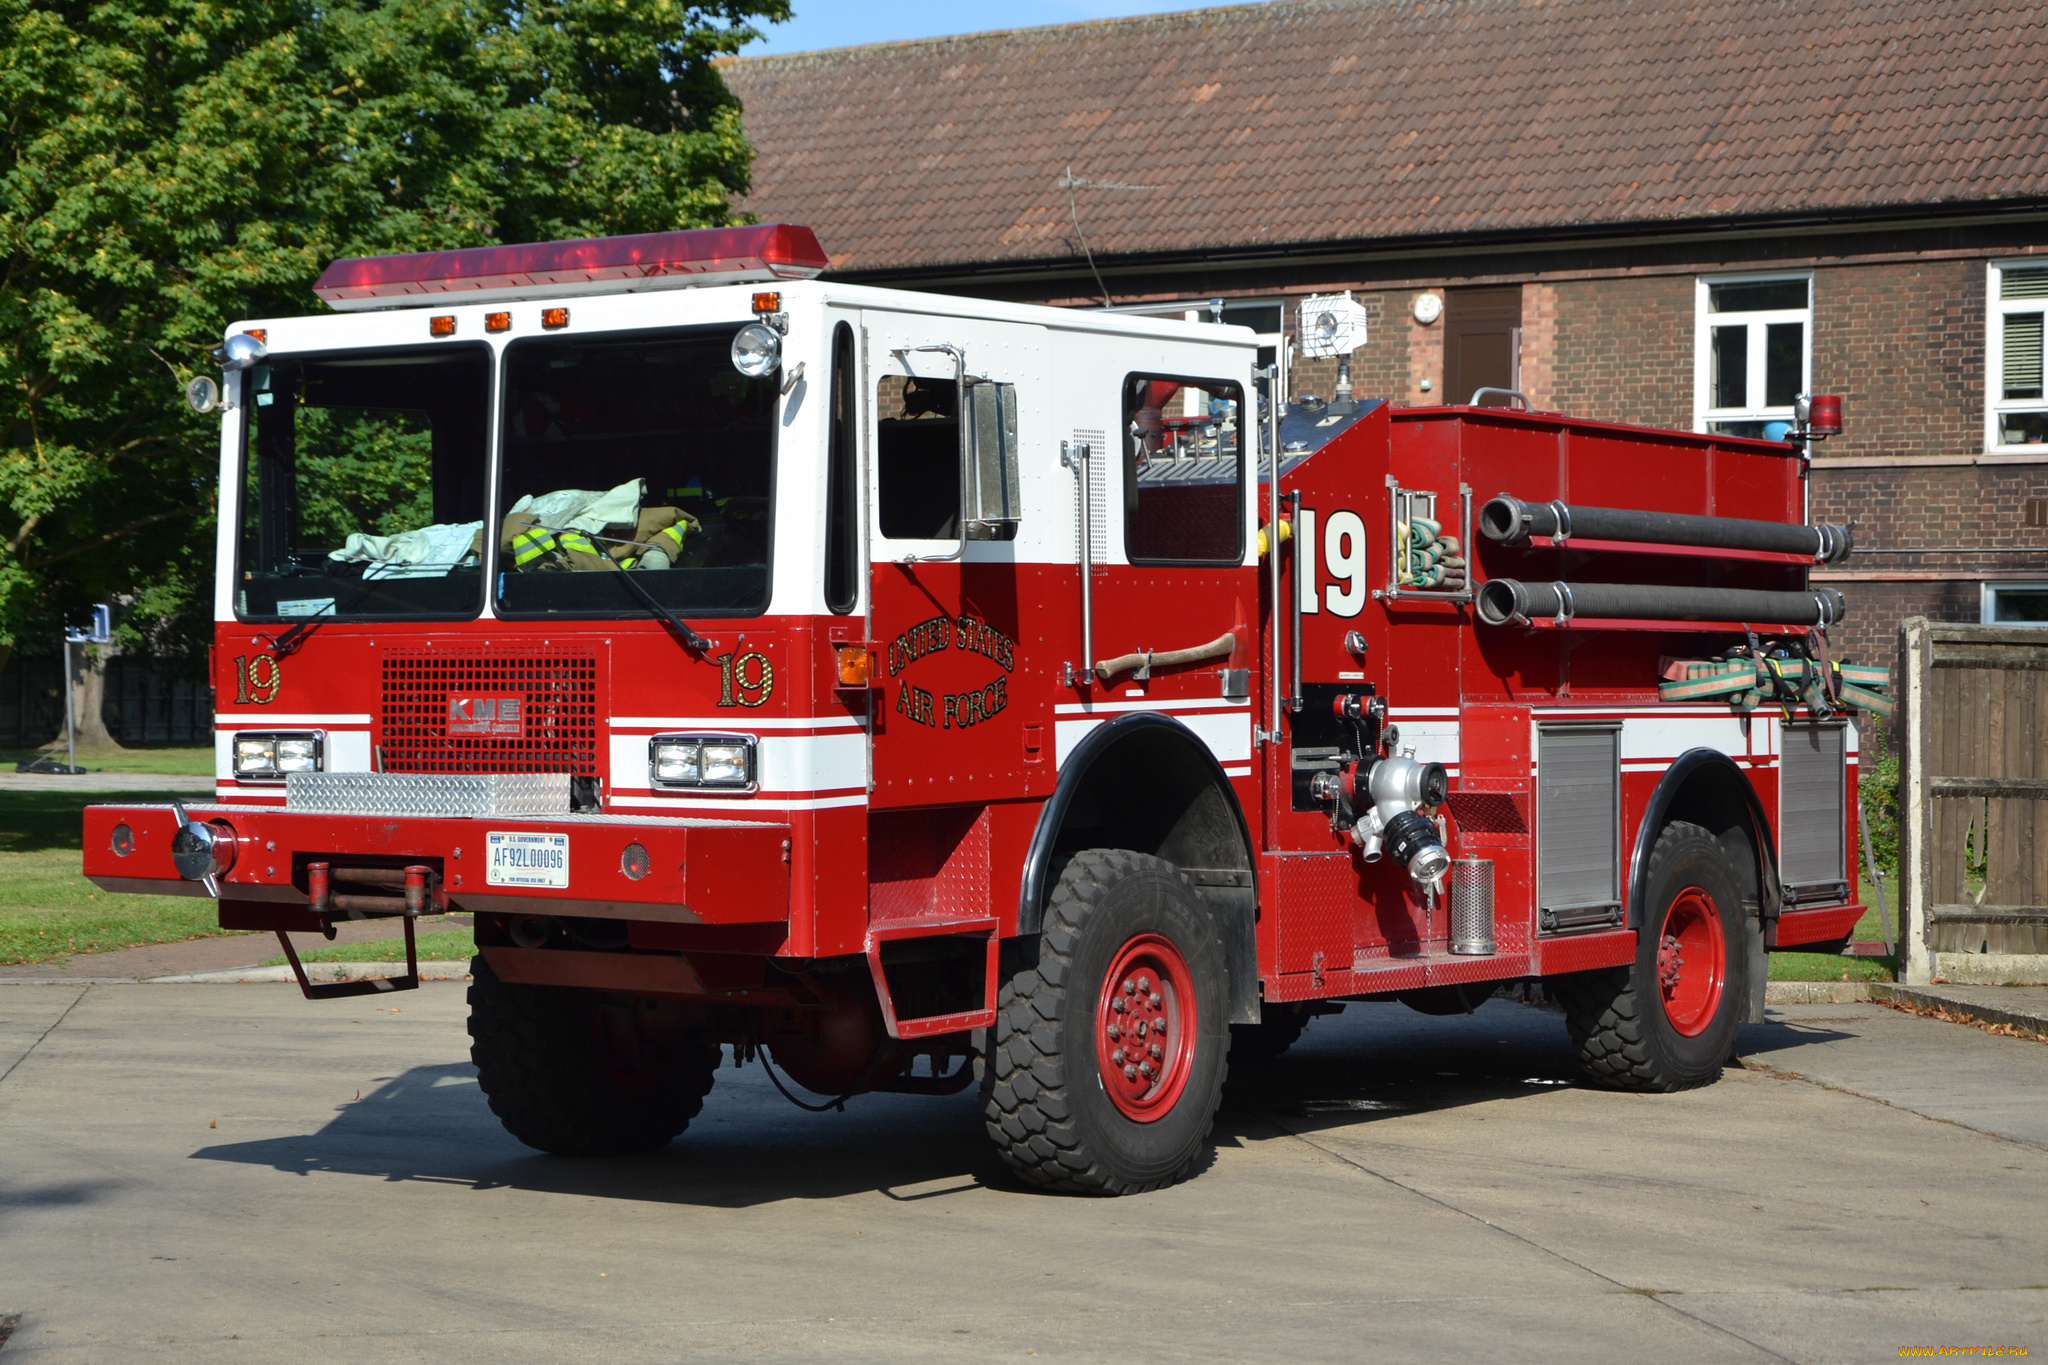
(526, 859)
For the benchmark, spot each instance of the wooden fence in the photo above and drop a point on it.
(1973, 798)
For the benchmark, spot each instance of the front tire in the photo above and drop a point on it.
(1668, 1021)
(1108, 1053)
(579, 1073)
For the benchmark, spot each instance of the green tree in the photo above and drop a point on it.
(168, 166)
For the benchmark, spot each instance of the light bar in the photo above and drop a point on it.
(592, 265)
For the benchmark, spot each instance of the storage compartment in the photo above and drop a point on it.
(1812, 820)
(1578, 826)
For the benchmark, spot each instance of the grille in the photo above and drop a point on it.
(556, 731)
(1489, 812)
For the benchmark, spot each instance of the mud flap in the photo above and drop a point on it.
(1756, 969)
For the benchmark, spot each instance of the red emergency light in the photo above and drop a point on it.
(592, 265)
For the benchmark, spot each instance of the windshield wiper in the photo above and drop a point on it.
(288, 643)
(692, 641)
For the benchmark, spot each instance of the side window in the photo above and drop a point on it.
(2018, 403)
(842, 498)
(1753, 354)
(1183, 471)
(917, 457)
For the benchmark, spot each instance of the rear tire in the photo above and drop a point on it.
(579, 1073)
(1668, 1021)
(1072, 1105)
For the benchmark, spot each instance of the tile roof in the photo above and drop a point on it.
(1306, 121)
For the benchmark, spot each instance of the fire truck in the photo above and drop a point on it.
(912, 693)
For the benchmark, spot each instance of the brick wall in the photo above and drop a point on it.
(1623, 350)
(1961, 507)
(1904, 346)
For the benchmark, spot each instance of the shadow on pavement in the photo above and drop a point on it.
(749, 1147)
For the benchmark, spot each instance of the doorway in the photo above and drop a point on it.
(1482, 340)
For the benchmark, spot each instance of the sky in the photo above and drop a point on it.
(843, 23)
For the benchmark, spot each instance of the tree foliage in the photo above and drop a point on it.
(168, 166)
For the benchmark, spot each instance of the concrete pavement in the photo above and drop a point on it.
(1398, 1187)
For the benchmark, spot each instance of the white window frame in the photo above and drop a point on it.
(1995, 403)
(1703, 414)
(1987, 612)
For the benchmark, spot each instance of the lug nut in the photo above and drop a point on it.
(1127, 985)
(1156, 1001)
(1115, 1032)
(1157, 1051)
(1145, 1069)
(1144, 983)
(1117, 1057)
(1130, 1073)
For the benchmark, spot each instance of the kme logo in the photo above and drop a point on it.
(498, 713)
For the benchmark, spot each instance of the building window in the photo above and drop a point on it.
(2015, 604)
(2016, 407)
(1752, 354)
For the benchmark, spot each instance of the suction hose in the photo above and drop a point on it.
(1501, 600)
(1509, 520)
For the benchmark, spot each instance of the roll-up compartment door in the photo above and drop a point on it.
(1812, 823)
(1578, 826)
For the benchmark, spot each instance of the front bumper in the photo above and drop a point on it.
(696, 871)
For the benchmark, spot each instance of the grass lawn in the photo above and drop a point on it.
(435, 945)
(49, 911)
(181, 759)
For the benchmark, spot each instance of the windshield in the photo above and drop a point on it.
(363, 492)
(646, 454)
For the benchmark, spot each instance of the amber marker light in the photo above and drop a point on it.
(497, 322)
(552, 318)
(770, 302)
(262, 334)
(853, 665)
(442, 325)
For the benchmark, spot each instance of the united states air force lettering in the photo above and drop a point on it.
(952, 710)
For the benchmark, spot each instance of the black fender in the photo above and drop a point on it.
(1162, 739)
(1695, 769)
(1690, 765)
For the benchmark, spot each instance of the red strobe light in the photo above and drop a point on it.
(1825, 418)
(594, 265)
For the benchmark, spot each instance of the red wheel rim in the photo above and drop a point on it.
(1691, 961)
(1145, 1028)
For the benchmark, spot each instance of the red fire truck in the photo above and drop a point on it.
(916, 692)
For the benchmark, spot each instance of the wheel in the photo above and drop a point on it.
(1107, 1055)
(1280, 1027)
(578, 1073)
(1668, 1021)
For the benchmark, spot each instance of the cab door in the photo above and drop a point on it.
(956, 411)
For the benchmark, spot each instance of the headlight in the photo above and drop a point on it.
(721, 762)
(268, 757)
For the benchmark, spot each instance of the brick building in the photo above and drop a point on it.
(1643, 210)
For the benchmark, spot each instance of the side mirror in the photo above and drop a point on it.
(239, 352)
(202, 395)
(990, 493)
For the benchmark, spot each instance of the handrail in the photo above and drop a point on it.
(1478, 394)
(1144, 660)
(1077, 459)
